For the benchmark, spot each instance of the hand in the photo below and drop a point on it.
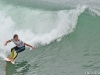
(5, 44)
(33, 47)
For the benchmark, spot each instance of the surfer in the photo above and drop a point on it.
(20, 46)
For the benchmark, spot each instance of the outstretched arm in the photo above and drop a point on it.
(7, 42)
(29, 45)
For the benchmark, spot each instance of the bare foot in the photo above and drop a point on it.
(9, 58)
(12, 59)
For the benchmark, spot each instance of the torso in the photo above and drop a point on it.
(18, 43)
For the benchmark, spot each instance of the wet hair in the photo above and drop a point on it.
(15, 36)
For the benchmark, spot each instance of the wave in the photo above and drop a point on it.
(41, 29)
(37, 27)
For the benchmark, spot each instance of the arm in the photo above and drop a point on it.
(29, 45)
(7, 42)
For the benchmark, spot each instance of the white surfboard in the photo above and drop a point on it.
(7, 59)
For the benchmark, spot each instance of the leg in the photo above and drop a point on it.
(18, 50)
(13, 54)
(12, 51)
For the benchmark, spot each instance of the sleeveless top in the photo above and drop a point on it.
(18, 43)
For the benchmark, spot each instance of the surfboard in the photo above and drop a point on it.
(7, 59)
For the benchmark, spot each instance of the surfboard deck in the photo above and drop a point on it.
(7, 59)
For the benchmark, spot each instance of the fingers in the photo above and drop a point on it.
(33, 47)
(5, 44)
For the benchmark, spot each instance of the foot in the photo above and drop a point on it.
(12, 60)
(9, 58)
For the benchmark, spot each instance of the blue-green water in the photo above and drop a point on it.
(65, 33)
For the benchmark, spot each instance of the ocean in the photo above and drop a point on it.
(65, 34)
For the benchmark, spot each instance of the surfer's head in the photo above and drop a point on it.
(15, 37)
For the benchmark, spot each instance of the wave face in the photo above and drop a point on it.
(63, 32)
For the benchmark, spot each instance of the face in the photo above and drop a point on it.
(16, 38)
